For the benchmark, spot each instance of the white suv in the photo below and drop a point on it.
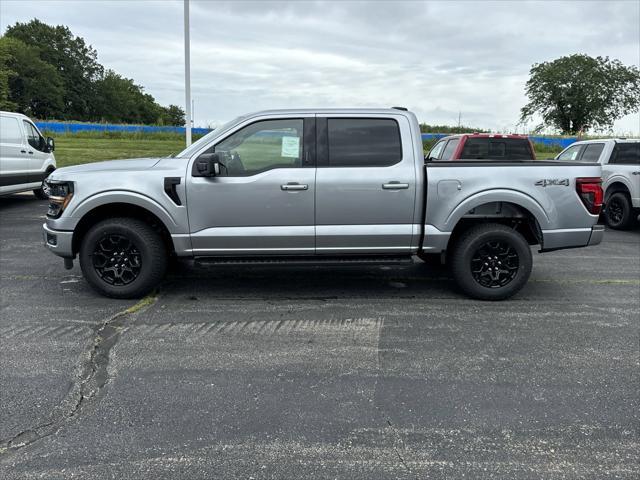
(26, 157)
(620, 160)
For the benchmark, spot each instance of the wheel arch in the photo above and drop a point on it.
(510, 214)
(617, 185)
(115, 210)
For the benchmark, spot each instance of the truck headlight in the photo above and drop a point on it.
(60, 194)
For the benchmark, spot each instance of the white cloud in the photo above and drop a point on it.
(437, 58)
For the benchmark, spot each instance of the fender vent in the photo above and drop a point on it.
(170, 189)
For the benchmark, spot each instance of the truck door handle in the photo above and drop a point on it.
(23, 151)
(30, 152)
(395, 186)
(636, 173)
(293, 186)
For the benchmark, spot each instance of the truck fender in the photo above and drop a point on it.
(616, 178)
(502, 195)
(105, 198)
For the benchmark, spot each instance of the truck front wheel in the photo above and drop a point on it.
(491, 261)
(123, 257)
(618, 211)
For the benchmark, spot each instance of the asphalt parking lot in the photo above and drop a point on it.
(353, 372)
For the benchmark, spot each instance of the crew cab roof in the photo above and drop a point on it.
(293, 111)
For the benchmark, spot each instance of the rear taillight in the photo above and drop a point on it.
(590, 192)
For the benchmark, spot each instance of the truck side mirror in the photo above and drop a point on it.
(51, 144)
(207, 165)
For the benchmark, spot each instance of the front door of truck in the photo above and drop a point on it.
(263, 201)
(365, 185)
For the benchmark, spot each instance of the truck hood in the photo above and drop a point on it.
(135, 164)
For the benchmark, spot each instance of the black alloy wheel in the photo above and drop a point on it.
(117, 260)
(618, 211)
(123, 257)
(495, 264)
(490, 261)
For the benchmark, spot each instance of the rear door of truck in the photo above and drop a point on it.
(365, 184)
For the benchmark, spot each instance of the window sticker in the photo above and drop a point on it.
(290, 147)
(574, 155)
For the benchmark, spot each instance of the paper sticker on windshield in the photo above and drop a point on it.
(290, 147)
(574, 155)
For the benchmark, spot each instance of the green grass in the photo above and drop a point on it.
(74, 150)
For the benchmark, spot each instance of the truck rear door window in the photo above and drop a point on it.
(592, 152)
(626, 154)
(363, 142)
(496, 149)
(449, 149)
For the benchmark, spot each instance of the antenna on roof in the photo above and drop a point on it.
(404, 109)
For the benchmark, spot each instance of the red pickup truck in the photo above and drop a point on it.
(482, 146)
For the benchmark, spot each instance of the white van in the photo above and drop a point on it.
(26, 157)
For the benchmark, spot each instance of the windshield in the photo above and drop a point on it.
(195, 146)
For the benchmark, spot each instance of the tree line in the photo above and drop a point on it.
(46, 72)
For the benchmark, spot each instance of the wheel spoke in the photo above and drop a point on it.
(116, 259)
(494, 264)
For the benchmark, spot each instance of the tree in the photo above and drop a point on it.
(6, 73)
(119, 99)
(75, 61)
(579, 92)
(47, 72)
(173, 115)
(34, 86)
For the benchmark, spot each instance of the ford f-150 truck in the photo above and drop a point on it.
(620, 160)
(342, 186)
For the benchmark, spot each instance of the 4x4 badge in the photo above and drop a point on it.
(552, 181)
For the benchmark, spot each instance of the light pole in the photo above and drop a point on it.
(187, 73)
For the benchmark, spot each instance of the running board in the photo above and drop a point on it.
(306, 260)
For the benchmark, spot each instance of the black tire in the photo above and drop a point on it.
(40, 195)
(39, 192)
(123, 258)
(472, 262)
(618, 213)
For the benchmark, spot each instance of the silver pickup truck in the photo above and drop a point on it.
(343, 186)
(620, 160)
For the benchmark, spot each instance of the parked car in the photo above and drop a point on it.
(482, 146)
(26, 156)
(620, 160)
(318, 186)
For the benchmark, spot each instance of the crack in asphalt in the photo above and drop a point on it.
(395, 448)
(396, 434)
(89, 383)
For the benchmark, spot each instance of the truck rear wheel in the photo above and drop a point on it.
(491, 261)
(618, 212)
(123, 258)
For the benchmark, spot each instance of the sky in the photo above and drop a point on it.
(442, 60)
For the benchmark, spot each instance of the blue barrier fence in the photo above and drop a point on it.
(68, 127)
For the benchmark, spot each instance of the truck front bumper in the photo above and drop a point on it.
(58, 241)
